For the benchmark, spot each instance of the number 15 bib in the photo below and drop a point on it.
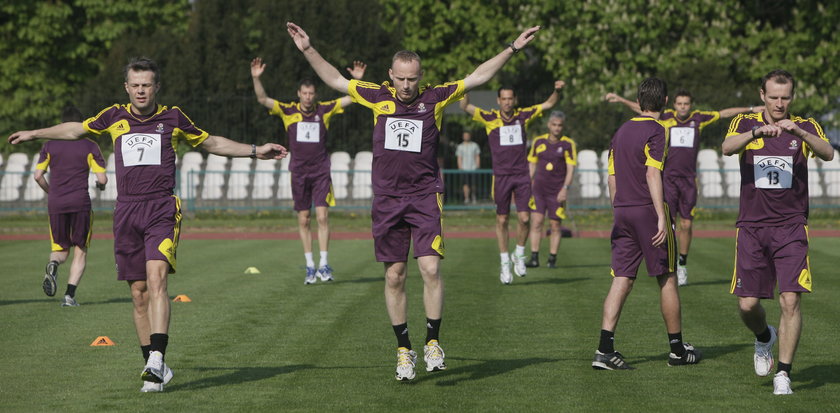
(141, 149)
(403, 135)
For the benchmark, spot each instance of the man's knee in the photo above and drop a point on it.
(748, 305)
(685, 224)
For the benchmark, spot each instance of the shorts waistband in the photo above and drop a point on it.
(144, 197)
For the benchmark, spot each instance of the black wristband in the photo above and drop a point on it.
(755, 128)
(253, 151)
(512, 47)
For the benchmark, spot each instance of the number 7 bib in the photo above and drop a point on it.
(403, 135)
(140, 149)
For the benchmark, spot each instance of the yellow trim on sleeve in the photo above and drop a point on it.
(571, 156)
(650, 161)
(715, 117)
(44, 165)
(460, 90)
(537, 114)
(352, 90)
(611, 163)
(536, 148)
(94, 167)
(336, 110)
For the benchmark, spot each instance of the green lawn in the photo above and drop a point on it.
(266, 342)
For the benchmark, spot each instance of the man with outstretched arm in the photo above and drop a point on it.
(306, 123)
(506, 135)
(680, 175)
(147, 215)
(772, 229)
(407, 185)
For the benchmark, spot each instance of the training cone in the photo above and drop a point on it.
(182, 298)
(252, 270)
(102, 341)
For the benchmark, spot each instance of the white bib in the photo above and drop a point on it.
(510, 135)
(682, 137)
(773, 172)
(141, 149)
(308, 132)
(403, 134)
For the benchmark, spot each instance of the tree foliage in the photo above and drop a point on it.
(718, 49)
(50, 48)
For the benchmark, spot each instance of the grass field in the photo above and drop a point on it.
(266, 342)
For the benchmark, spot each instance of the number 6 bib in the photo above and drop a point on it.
(141, 149)
(773, 172)
(403, 135)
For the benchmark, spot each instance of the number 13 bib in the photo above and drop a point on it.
(773, 172)
(141, 149)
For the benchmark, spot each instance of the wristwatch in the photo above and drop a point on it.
(253, 151)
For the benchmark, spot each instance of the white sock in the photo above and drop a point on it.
(505, 257)
(323, 259)
(520, 250)
(309, 261)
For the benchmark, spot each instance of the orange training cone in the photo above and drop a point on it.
(102, 341)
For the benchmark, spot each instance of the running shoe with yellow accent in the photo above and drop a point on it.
(433, 356)
(405, 364)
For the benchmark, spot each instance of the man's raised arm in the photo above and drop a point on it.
(68, 131)
(488, 69)
(613, 98)
(327, 72)
(552, 99)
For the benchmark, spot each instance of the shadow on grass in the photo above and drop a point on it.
(708, 352)
(817, 376)
(236, 375)
(480, 370)
(710, 282)
(27, 301)
(355, 280)
(553, 280)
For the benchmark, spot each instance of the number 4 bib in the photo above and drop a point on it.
(403, 135)
(141, 149)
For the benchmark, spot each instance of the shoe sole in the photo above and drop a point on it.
(49, 285)
(438, 368)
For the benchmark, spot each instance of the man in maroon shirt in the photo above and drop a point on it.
(772, 227)
(508, 141)
(407, 185)
(306, 123)
(642, 227)
(147, 215)
(680, 177)
(68, 203)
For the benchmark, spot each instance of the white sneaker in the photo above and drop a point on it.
(325, 273)
(505, 276)
(69, 302)
(763, 358)
(682, 275)
(433, 356)
(311, 275)
(152, 387)
(519, 265)
(156, 370)
(781, 383)
(405, 364)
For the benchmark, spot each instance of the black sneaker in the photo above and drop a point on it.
(609, 361)
(534, 262)
(690, 356)
(50, 285)
(552, 262)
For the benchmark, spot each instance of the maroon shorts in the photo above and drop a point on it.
(633, 229)
(681, 195)
(765, 255)
(307, 187)
(399, 219)
(506, 185)
(70, 229)
(545, 203)
(145, 231)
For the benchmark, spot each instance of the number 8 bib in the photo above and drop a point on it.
(140, 149)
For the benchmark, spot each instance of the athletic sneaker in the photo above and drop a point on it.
(151, 387)
(763, 358)
(310, 276)
(433, 356)
(690, 356)
(69, 302)
(519, 265)
(609, 361)
(325, 273)
(505, 276)
(682, 275)
(552, 262)
(156, 370)
(405, 364)
(781, 383)
(50, 283)
(534, 262)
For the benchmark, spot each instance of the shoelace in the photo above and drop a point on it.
(404, 359)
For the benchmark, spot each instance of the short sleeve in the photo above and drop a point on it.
(655, 148)
(571, 154)
(43, 158)
(736, 126)
(531, 114)
(332, 107)
(95, 160)
(363, 93)
(708, 118)
(187, 130)
(450, 92)
(101, 122)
